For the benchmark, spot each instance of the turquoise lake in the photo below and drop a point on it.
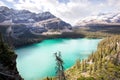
(37, 61)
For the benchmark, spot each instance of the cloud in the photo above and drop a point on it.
(113, 2)
(10, 0)
(2, 3)
(71, 10)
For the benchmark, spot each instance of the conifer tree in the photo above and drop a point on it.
(82, 66)
(90, 68)
(78, 63)
(85, 65)
(99, 64)
(94, 67)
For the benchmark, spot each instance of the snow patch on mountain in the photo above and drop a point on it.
(101, 19)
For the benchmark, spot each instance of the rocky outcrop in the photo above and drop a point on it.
(8, 69)
(54, 24)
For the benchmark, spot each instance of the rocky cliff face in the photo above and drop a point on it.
(23, 16)
(54, 24)
(23, 26)
(39, 23)
(8, 70)
(28, 18)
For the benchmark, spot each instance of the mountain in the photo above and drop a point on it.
(101, 25)
(30, 19)
(24, 26)
(103, 18)
(23, 16)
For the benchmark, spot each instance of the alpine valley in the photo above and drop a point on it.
(90, 49)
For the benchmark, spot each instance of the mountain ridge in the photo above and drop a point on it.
(25, 27)
(103, 18)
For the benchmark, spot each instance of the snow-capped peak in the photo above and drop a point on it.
(101, 18)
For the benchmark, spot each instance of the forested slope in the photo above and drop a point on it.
(104, 64)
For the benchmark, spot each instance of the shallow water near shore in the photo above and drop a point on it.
(37, 61)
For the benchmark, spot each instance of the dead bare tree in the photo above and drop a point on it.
(59, 67)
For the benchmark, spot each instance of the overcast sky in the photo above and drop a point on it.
(70, 11)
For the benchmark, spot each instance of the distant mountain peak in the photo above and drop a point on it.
(30, 23)
(3, 8)
(104, 18)
(23, 16)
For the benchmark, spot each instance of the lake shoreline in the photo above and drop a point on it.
(64, 36)
(42, 53)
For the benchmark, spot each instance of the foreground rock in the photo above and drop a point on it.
(8, 69)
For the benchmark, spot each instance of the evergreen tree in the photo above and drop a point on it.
(85, 65)
(82, 66)
(99, 64)
(94, 67)
(78, 63)
(6, 54)
(90, 68)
